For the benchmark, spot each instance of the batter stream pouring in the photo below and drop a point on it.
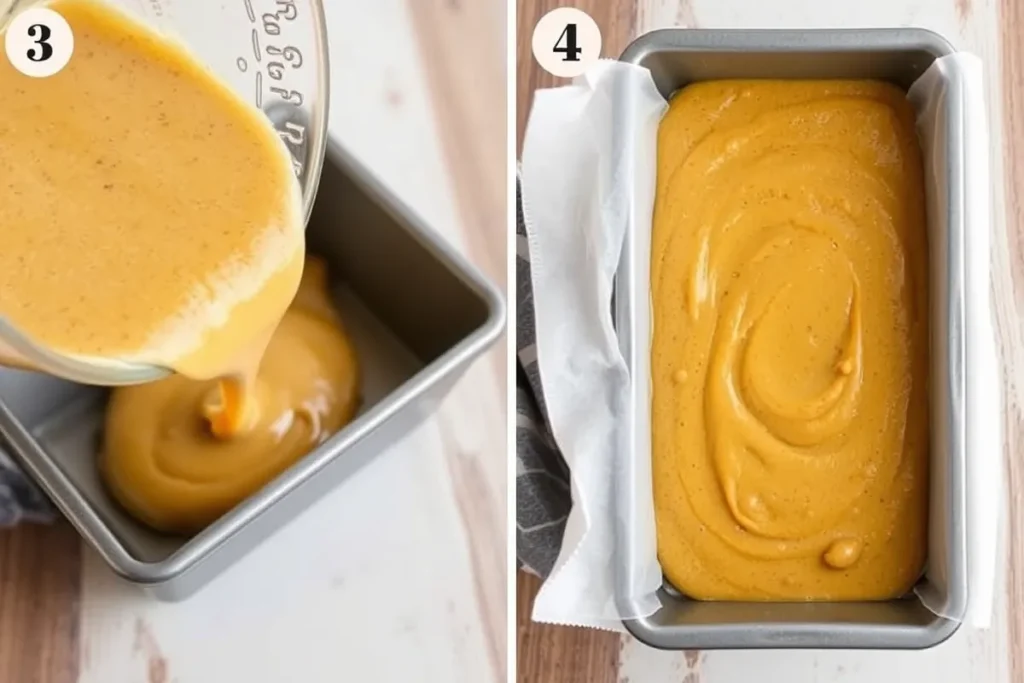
(153, 223)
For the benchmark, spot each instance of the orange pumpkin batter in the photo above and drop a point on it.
(150, 214)
(165, 465)
(790, 342)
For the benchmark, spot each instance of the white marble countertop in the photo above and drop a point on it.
(398, 575)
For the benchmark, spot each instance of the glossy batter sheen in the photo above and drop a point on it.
(790, 342)
(163, 464)
(148, 213)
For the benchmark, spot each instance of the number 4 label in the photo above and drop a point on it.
(566, 42)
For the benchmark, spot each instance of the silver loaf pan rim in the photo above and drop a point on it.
(205, 555)
(677, 57)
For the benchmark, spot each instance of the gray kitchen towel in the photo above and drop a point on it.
(543, 496)
(20, 499)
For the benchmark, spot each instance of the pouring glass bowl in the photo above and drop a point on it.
(271, 52)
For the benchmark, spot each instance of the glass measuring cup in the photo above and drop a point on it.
(271, 52)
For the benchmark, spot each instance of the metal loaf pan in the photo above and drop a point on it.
(418, 314)
(677, 57)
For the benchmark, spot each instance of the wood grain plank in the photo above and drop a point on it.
(465, 63)
(616, 18)
(464, 57)
(558, 654)
(1011, 23)
(40, 571)
(462, 46)
(485, 525)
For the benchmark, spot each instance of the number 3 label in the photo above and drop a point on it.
(39, 42)
(566, 42)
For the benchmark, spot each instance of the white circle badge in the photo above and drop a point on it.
(39, 42)
(566, 42)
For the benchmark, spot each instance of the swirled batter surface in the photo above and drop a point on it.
(790, 342)
(163, 458)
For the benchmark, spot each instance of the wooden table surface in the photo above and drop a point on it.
(992, 29)
(340, 593)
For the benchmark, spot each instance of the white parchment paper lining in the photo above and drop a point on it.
(583, 182)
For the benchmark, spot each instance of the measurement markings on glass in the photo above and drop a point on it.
(275, 62)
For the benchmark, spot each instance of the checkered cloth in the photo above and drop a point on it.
(20, 500)
(543, 496)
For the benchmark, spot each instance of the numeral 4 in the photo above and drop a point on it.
(566, 44)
